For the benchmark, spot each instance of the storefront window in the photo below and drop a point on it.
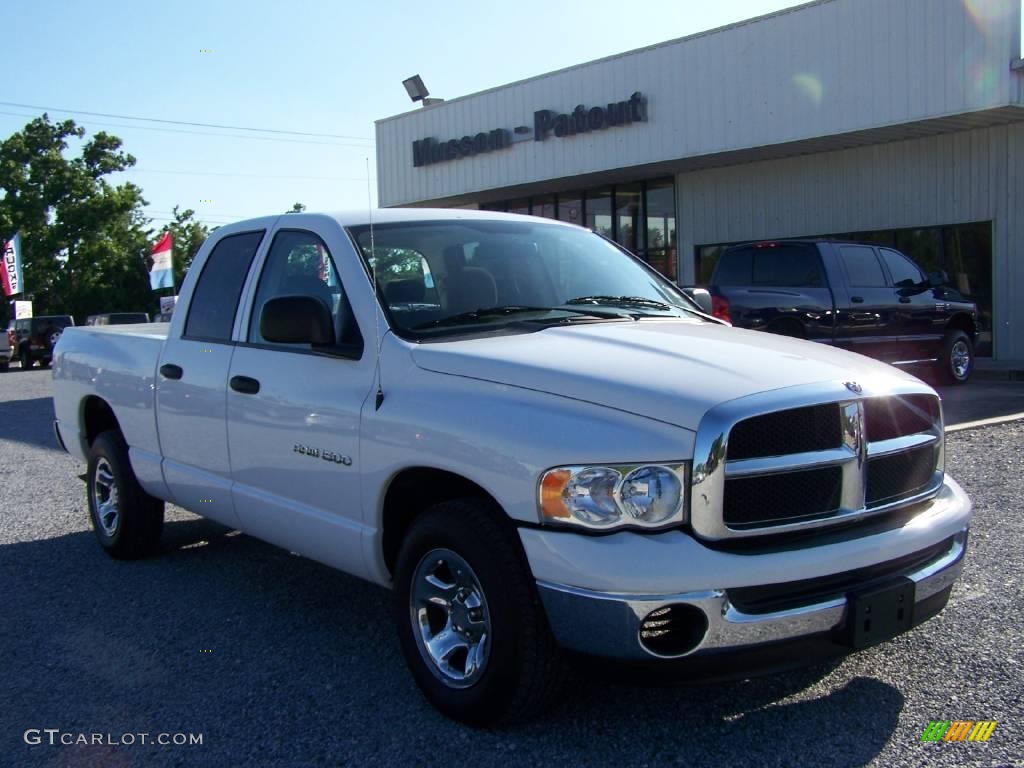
(543, 206)
(967, 259)
(660, 208)
(519, 206)
(599, 211)
(570, 208)
(629, 217)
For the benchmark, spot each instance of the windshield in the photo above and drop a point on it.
(469, 276)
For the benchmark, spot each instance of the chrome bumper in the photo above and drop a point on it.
(608, 624)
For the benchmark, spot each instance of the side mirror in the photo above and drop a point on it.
(701, 297)
(938, 278)
(296, 320)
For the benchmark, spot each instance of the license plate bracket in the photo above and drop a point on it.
(879, 613)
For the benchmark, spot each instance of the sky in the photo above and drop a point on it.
(309, 67)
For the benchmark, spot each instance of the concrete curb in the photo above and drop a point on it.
(985, 422)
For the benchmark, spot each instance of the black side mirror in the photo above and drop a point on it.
(938, 278)
(296, 320)
(701, 297)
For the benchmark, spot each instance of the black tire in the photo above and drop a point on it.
(26, 359)
(135, 531)
(44, 363)
(4, 365)
(522, 668)
(956, 361)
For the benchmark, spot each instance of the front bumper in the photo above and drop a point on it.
(607, 622)
(603, 624)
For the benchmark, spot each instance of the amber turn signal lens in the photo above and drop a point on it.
(551, 488)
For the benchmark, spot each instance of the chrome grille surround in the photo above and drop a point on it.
(711, 468)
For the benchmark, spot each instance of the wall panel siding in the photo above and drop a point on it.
(829, 67)
(975, 175)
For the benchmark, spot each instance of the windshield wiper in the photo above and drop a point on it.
(507, 309)
(636, 301)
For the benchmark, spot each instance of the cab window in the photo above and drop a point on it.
(905, 273)
(211, 313)
(299, 264)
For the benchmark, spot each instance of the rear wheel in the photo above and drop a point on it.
(469, 620)
(44, 363)
(127, 521)
(956, 362)
(4, 364)
(26, 359)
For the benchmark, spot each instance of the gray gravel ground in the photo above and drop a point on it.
(303, 667)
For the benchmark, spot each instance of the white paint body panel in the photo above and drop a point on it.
(498, 411)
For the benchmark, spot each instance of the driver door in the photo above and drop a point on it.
(294, 411)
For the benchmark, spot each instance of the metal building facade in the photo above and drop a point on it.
(835, 116)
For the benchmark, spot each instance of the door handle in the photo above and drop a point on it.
(904, 299)
(857, 299)
(171, 371)
(245, 385)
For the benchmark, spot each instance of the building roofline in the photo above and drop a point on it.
(612, 57)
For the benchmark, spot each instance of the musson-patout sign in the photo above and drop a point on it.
(546, 122)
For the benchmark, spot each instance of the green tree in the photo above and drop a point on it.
(187, 234)
(297, 208)
(83, 238)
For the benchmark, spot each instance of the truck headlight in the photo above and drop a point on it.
(615, 496)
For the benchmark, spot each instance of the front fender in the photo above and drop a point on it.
(500, 437)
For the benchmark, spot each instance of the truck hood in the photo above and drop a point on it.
(671, 370)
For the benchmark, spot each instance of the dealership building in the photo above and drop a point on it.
(895, 121)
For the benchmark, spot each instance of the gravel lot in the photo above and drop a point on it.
(276, 660)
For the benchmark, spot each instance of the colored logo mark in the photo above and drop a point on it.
(958, 730)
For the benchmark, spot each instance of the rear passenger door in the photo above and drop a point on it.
(191, 382)
(869, 322)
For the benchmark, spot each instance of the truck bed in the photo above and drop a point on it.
(117, 363)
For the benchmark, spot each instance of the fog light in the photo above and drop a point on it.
(673, 630)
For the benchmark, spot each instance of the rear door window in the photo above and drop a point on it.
(211, 313)
(862, 267)
(787, 265)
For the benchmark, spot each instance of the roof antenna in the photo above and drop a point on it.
(373, 272)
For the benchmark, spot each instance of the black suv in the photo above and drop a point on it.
(866, 298)
(35, 338)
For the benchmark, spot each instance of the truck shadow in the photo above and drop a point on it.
(279, 660)
(29, 421)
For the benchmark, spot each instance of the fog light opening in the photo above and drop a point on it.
(673, 630)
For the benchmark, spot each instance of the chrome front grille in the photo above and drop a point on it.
(813, 456)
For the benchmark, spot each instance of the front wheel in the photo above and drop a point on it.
(127, 520)
(956, 362)
(469, 620)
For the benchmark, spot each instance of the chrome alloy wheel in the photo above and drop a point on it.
(450, 619)
(105, 498)
(960, 359)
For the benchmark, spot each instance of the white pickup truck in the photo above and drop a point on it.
(537, 442)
